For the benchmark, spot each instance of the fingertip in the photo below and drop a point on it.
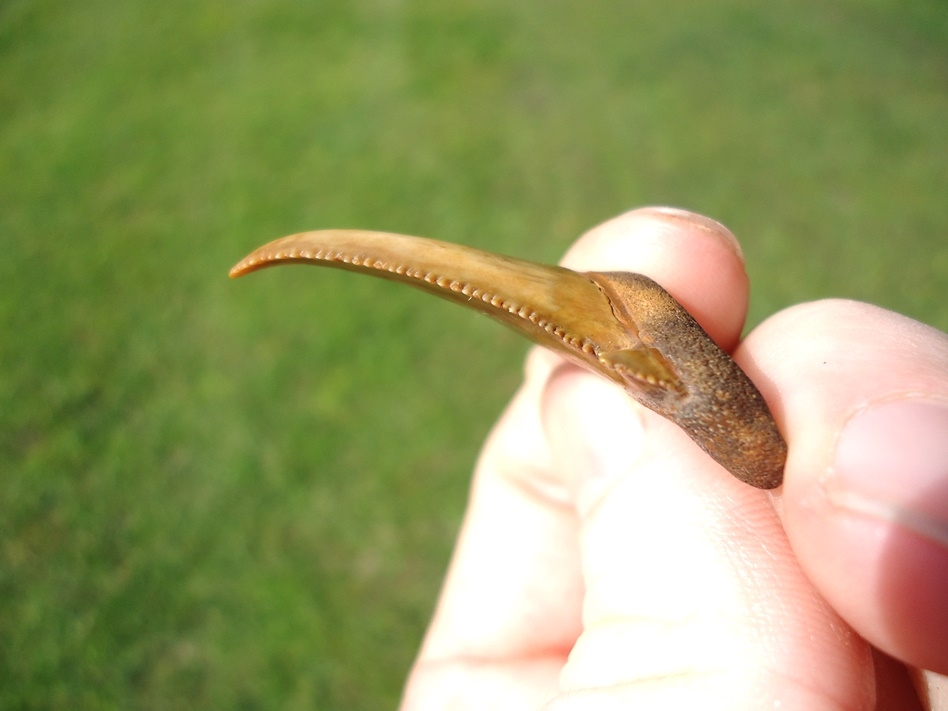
(701, 223)
(694, 258)
(649, 227)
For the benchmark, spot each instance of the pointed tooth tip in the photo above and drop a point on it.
(239, 269)
(251, 263)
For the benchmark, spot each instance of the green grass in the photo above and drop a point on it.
(221, 494)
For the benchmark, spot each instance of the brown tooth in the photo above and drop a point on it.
(623, 326)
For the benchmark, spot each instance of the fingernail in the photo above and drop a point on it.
(892, 463)
(706, 223)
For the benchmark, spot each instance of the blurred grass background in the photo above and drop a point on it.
(220, 494)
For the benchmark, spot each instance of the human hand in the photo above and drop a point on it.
(607, 562)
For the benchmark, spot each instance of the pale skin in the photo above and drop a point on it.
(606, 562)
